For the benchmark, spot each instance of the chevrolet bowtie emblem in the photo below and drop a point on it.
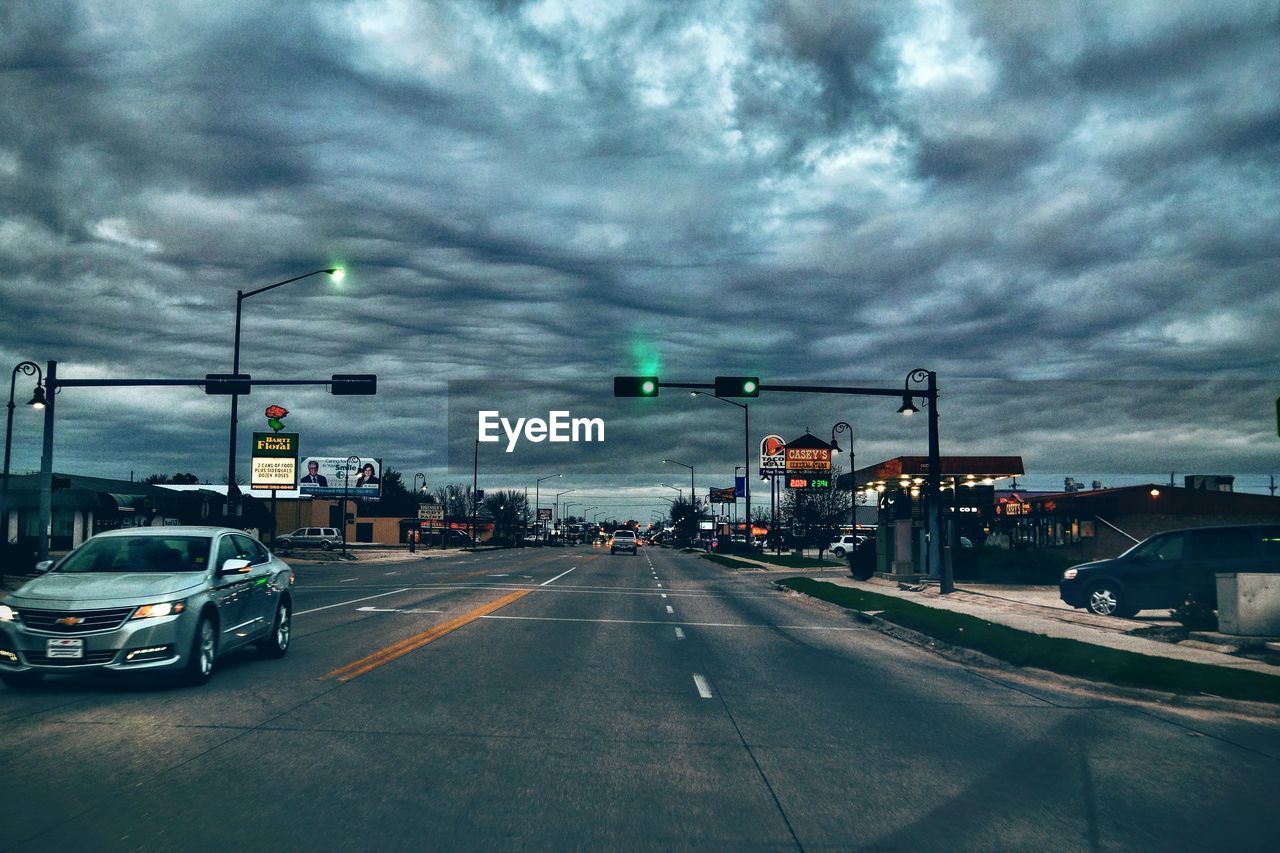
(70, 620)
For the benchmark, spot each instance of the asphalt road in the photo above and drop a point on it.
(565, 699)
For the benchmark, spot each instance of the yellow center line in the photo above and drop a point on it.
(355, 669)
(370, 662)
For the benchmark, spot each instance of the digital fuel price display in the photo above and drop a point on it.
(809, 483)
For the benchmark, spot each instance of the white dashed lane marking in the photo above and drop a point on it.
(704, 689)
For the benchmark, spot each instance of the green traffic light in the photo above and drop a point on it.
(749, 387)
(636, 386)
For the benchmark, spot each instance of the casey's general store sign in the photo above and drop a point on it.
(808, 458)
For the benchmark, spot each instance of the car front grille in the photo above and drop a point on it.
(74, 621)
(89, 659)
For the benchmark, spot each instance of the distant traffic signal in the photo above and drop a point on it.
(737, 386)
(635, 386)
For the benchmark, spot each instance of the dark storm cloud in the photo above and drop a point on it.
(811, 191)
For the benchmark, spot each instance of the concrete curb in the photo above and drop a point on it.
(970, 657)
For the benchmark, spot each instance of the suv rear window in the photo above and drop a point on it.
(313, 531)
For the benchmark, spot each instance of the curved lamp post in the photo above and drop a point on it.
(939, 554)
(29, 368)
(232, 489)
(843, 426)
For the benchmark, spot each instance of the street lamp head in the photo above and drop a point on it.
(907, 407)
(37, 398)
(835, 447)
(337, 274)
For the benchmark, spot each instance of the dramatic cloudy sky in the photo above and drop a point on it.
(1067, 209)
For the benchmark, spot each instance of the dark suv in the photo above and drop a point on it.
(1166, 570)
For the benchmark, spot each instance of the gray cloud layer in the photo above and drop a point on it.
(819, 190)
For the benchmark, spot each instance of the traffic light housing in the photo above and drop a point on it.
(635, 386)
(737, 386)
(228, 383)
(354, 385)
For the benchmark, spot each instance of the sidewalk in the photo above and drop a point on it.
(1037, 610)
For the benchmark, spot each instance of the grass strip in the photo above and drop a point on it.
(1068, 657)
(729, 561)
(791, 561)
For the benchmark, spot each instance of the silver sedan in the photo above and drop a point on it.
(153, 598)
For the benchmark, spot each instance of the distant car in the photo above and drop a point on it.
(146, 599)
(844, 545)
(1167, 569)
(324, 538)
(623, 540)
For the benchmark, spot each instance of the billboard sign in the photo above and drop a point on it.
(723, 496)
(431, 512)
(544, 513)
(808, 459)
(329, 477)
(773, 457)
(275, 461)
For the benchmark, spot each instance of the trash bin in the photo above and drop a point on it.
(1249, 604)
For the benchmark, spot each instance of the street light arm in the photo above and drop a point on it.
(246, 294)
(714, 397)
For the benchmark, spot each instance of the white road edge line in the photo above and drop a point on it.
(704, 689)
(353, 601)
(679, 633)
(349, 580)
(557, 577)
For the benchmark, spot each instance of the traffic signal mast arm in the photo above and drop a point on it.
(811, 389)
(348, 384)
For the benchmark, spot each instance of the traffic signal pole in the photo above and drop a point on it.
(340, 384)
(938, 563)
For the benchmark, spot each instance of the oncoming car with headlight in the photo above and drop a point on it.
(152, 598)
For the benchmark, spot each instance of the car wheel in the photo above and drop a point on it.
(839, 552)
(21, 680)
(284, 544)
(276, 644)
(326, 545)
(1105, 599)
(204, 650)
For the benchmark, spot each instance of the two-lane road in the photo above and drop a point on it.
(563, 698)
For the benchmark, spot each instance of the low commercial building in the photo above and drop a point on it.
(83, 506)
(1101, 523)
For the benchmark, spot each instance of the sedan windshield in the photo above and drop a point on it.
(139, 554)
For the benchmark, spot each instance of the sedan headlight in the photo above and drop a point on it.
(1069, 575)
(7, 613)
(167, 608)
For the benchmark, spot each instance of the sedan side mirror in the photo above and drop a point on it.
(43, 566)
(234, 566)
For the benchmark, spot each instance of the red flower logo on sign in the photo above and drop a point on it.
(274, 414)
